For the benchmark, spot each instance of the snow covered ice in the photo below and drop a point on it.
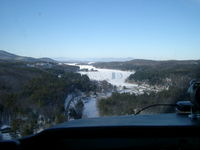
(115, 77)
(90, 109)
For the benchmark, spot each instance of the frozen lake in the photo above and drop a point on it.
(90, 109)
(115, 77)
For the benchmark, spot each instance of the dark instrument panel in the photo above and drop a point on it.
(165, 131)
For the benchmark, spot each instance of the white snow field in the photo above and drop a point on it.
(115, 77)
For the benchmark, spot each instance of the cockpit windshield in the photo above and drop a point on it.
(62, 60)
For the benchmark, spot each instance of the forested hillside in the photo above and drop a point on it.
(32, 96)
(175, 75)
(129, 104)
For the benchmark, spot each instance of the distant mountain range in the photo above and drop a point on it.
(9, 56)
(4, 55)
(64, 59)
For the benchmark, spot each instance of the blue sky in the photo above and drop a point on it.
(148, 29)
